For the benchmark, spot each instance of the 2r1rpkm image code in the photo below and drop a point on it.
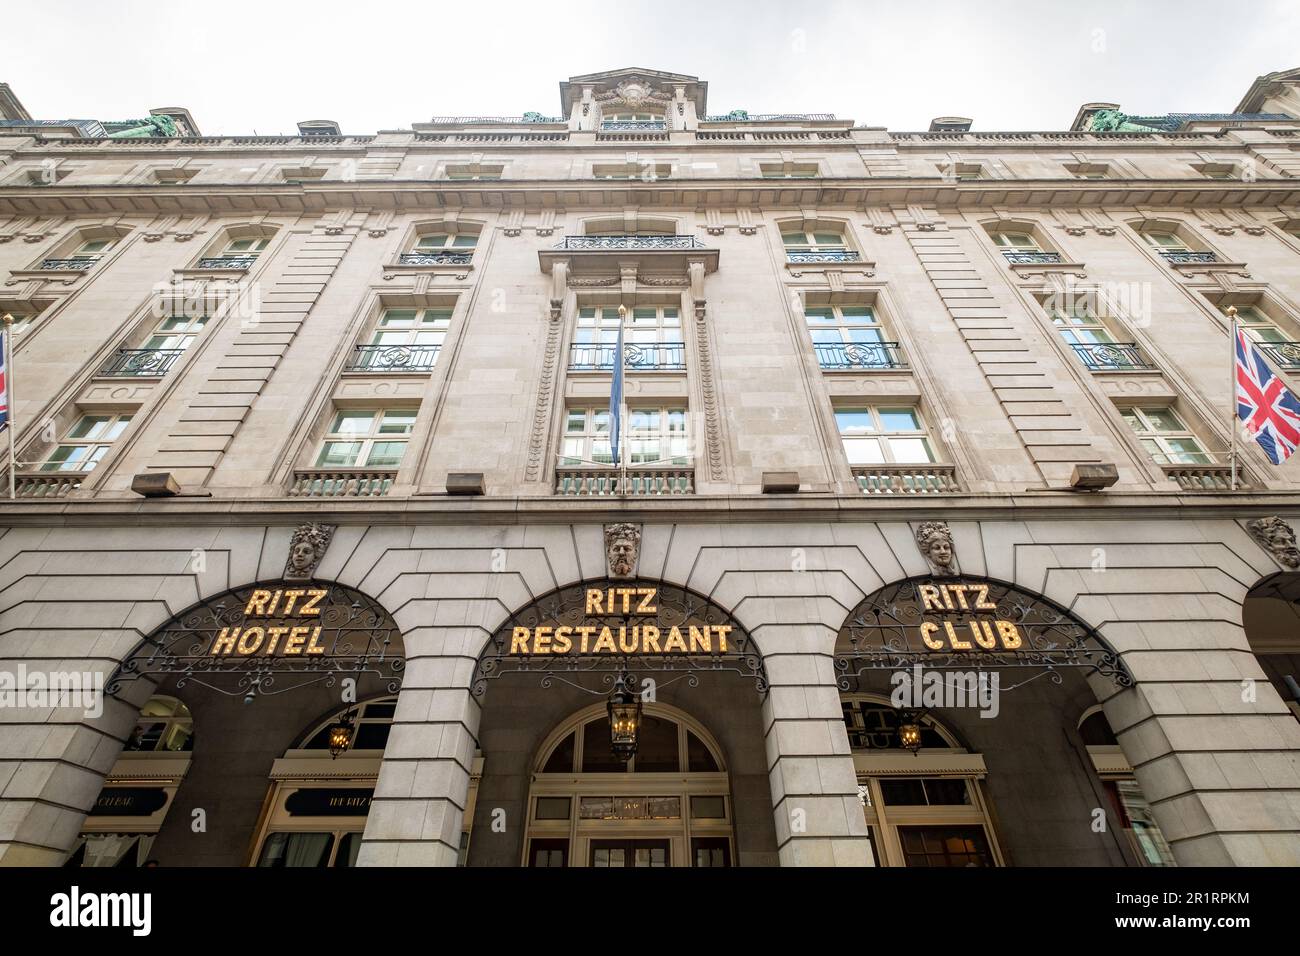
(745, 436)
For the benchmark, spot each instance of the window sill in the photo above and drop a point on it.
(460, 270)
(57, 276)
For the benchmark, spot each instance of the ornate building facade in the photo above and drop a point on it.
(315, 477)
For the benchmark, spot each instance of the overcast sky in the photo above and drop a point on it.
(371, 64)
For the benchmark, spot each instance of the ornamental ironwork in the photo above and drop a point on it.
(635, 125)
(1179, 258)
(827, 255)
(128, 363)
(76, 263)
(1031, 258)
(675, 611)
(1110, 356)
(630, 242)
(270, 638)
(859, 355)
(393, 358)
(227, 262)
(659, 356)
(1284, 354)
(435, 258)
(972, 625)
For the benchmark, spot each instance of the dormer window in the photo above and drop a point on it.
(809, 245)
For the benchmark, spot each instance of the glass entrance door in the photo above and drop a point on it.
(642, 853)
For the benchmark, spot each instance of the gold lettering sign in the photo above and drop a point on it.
(286, 625)
(593, 639)
(969, 632)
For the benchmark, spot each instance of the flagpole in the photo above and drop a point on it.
(7, 344)
(1232, 401)
(622, 402)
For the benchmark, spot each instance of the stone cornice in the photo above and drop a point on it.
(730, 509)
(318, 196)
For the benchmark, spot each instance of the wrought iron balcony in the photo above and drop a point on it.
(639, 357)
(1025, 257)
(740, 116)
(624, 243)
(826, 255)
(1111, 356)
(639, 481)
(1283, 354)
(76, 263)
(859, 355)
(1178, 257)
(132, 363)
(341, 482)
(435, 258)
(888, 479)
(640, 126)
(393, 358)
(227, 262)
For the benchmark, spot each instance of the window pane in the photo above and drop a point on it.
(339, 454)
(819, 316)
(899, 420)
(89, 427)
(852, 421)
(386, 454)
(116, 428)
(576, 421)
(397, 423)
(352, 423)
(1163, 419)
(910, 450)
(863, 451)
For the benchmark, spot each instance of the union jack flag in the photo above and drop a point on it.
(1270, 413)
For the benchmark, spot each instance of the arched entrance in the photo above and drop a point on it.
(696, 792)
(669, 805)
(1271, 617)
(963, 699)
(257, 668)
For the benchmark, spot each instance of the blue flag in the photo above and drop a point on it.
(616, 398)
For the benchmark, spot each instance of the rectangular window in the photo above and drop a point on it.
(86, 443)
(426, 327)
(875, 435)
(94, 249)
(645, 171)
(812, 241)
(176, 333)
(367, 439)
(1164, 436)
(850, 337)
(1016, 241)
(245, 248)
(652, 339)
(473, 171)
(945, 846)
(654, 436)
(1165, 241)
(1078, 324)
(788, 170)
(447, 242)
(1257, 325)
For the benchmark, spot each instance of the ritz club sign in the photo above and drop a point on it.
(595, 639)
(975, 633)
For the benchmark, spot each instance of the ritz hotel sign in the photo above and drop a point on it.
(296, 631)
(639, 639)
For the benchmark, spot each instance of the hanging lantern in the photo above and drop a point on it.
(909, 731)
(341, 735)
(624, 718)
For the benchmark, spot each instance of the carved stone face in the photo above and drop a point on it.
(939, 550)
(302, 555)
(622, 552)
(1282, 542)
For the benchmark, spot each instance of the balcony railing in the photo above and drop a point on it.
(859, 355)
(1212, 477)
(130, 363)
(227, 262)
(826, 255)
(76, 263)
(624, 243)
(594, 482)
(1025, 257)
(906, 479)
(740, 116)
(640, 357)
(1284, 354)
(435, 258)
(609, 126)
(393, 358)
(1179, 257)
(50, 485)
(1111, 356)
(341, 483)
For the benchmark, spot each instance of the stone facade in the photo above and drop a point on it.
(1161, 563)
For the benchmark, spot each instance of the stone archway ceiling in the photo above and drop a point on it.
(990, 626)
(270, 638)
(629, 633)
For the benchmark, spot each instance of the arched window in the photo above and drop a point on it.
(815, 242)
(164, 724)
(927, 808)
(670, 805)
